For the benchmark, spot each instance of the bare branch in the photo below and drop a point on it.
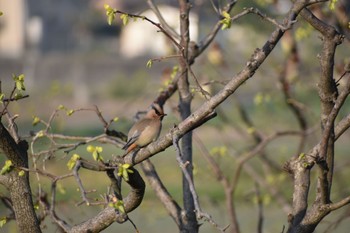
(162, 193)
(158, 25)
(199, 213)
(164, 24)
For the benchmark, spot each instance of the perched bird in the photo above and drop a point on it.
(146, 130)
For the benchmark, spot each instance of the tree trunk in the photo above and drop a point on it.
(18, 186)
(190, 221)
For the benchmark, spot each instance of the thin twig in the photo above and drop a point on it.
(199, 213)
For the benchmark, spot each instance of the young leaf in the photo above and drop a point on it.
(174, 71)
(3, 221)
(36, 120)
(7, 167)
(95, 152)
(40, 134)
(332, 4)
(70, 112)
(73, 160)
(110, 13)
(19, 81)
(149, 63)
(21, 173)
(125, 19)
(2, 96)
(123, 170)
(226, 21)
(61, 107)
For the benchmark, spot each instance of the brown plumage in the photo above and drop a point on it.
(145, 130)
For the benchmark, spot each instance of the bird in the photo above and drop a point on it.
(146, 130)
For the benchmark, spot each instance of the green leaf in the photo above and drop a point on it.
(61, 107)
(2, 96)
(174, 71)
(99, 149)
(3, 221)
(70, 112)
(226, 21)
(125, 18)
(332, 4)
(258, 98)
(226, 15)
(118, 205)
(36, 120)
(36, 207)
(251, 130)
(18, 96)
(61, 189)
(7, 167)
(90, 148)
(21, 173)
(115, 119)
(149, 63)
(95, 152)
(123, 170)
(73, 160)
(110, 13)
(19, 81)
(40, 134)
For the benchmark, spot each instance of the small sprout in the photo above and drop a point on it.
(40, 134)
(3, 221)
(61, 107)
(95, 150)
(332, 4)
(115, 119)
(2, 96)
(195, 169)
(125, 19)
(174, 71)
(19, 81)
(118, 205)
(301, 156)
(73, 160)
(251, 130)
(123, 170)
(36, 206)
(18, 96)
(61, 189)
(110, 13)
(226, 21)
(36, 120)
(149, 63)
(303, 32)
(21, 173)
(7, 167)
(258, 99)
(70, 112)
(219, 150)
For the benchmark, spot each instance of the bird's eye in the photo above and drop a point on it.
(157, 111)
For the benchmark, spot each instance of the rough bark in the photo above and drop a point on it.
(19, 187)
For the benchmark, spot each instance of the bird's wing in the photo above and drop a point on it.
(131, 139)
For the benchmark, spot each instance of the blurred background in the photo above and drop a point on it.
(70, 56)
